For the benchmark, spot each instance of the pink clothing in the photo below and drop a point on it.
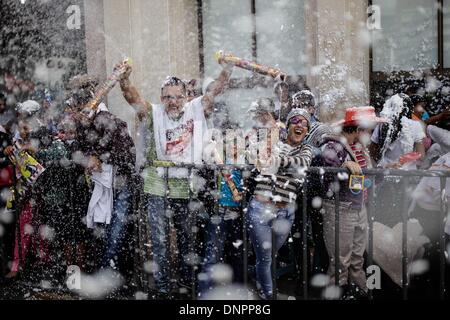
(27, 239)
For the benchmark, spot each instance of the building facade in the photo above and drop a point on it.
(344, 50)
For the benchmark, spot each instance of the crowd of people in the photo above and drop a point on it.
(71, 183)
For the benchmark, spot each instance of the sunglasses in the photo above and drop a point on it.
(298, 120)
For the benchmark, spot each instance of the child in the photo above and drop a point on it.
(224, 228)
(347, 150)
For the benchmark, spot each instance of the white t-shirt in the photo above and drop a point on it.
(410, 134)
(428, 192)
(180, 140)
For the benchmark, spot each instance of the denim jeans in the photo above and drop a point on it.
(221, 233)
(261, 220)
(159, 220)
(116, 229)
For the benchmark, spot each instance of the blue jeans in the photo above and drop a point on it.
(219, 233)
(261, 220)
(116, 229)
(159, 220)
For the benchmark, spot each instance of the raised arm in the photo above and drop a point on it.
(439, 117)
(302, 158)
(217, 87)
(132, 96)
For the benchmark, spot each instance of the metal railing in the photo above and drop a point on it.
(141, 233)
(374, 173)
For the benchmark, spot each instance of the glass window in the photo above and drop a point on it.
(408, 37)
(280, 42)
(227, 25)
(280, 34)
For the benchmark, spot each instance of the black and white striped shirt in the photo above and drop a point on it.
(282, 181)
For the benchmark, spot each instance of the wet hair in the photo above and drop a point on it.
(416, 99)
(303, 99)
(390, 132)
(172, 81)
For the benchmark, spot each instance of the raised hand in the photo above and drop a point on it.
(353, 167)
(128, 69)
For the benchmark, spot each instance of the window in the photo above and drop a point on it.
(408, 38)
(280, 34)
(227, 25)
(411, 51)
(269, 31)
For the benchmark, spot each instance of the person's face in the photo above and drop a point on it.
(24, 129)
(266, 119)
(173, 98)
(419, 108)
(297, 130)
(192, 92)
(363, 136)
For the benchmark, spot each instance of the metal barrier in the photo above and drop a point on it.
(141, 223)
(443, 175)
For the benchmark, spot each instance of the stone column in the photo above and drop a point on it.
(95, 40)
(160, 36)
(338, 50)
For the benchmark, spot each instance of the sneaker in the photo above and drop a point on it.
(261, 295)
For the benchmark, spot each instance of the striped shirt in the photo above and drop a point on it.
(283, 184)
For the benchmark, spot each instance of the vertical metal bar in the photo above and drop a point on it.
(201, 51)
(254, 35)
(274, 266)
(138, 272)
(440, 34)
(192, 224)
(371, 78)
(370, 210)
(336, 233)
(304, 243)
(244, 209)
(404, 208)
(442, 223)
(273, 249)
(168, 224)
(18, 207)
